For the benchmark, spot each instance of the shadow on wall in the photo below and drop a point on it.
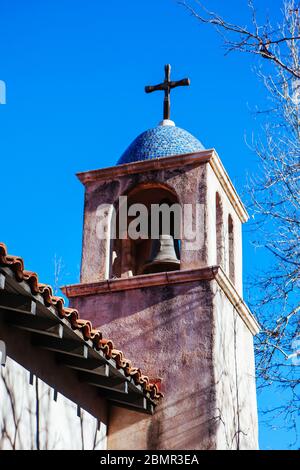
(183, 422)
(106, 308)
(169, 319)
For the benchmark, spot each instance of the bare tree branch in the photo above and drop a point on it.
(273, 193)
(260, 40)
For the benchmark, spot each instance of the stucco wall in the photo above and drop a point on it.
(183, 334)
(188, 334)
(196, 185)
(167, 332)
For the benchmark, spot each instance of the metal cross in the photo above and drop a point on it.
(167, 86)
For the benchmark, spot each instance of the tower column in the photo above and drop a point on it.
(186, 324)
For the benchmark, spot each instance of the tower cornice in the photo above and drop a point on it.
(174, 277)
(209, 156)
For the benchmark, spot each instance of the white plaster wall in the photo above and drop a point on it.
(247, 400)
(59, 425)
(234, 369)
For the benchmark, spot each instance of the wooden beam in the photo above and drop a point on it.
(42, 326)
(110, 383)
(17, 303)
(144, 406)
(2, 353)
(61, 346)
(129, 400)
(91, 365)
(31, 377)
(2, 281)
(138, 389)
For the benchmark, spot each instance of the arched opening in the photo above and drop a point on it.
(220, 245)
(231, 248)
(148, 225)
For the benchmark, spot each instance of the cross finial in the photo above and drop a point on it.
(167, 86)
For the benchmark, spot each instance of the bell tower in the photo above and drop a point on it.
(162, 274)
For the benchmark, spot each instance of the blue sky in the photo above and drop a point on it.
(75, 72)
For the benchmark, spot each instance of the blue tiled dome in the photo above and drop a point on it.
(161, 141)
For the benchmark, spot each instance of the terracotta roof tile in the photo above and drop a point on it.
(85, 327)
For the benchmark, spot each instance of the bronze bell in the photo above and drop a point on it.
(163, 256)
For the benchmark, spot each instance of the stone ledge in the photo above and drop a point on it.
(168, 278)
